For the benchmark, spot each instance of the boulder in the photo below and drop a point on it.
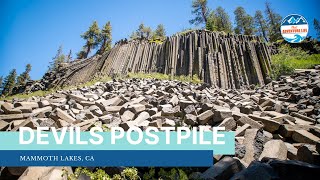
(223, 169)
(274, 149)
(204, 117)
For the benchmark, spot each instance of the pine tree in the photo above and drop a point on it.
(316, 25)
(244, 22)
(9, 83)
(105, 38)
(143, 32)
(57, 60)
(69, 57)
(274, 23)
(134, 35)
(24, 77)
(82, 53)
(92, 38)
(211, 22)
(201, 12)
(222, 20)
(160, 32)
(260, 24)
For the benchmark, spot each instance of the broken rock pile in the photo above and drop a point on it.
(276, 126)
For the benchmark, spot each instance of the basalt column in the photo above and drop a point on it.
(221, 60)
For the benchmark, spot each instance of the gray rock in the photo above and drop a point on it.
(223, 169)
(204, 117)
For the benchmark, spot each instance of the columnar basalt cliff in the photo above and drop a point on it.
(225, 61)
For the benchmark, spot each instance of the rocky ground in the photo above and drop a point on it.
(276, 126)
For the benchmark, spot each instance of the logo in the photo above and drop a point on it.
(294, 28)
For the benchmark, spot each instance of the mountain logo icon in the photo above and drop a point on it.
(294, 28)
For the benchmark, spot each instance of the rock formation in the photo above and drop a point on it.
(225, 61)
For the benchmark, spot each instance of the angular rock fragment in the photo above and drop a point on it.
(223, 169)
(246, 120)
(204, 117)
(304, 136)
(274, 149)
(190, 119)
(229, 124)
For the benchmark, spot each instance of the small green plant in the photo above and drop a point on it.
(99, 174)
(131, 173)
(173, 174)
(150, 175)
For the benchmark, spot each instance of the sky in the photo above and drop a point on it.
(31, 31)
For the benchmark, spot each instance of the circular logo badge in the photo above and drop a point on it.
(294, 28)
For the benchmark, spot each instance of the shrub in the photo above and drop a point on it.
(99, 174)
(288, 59)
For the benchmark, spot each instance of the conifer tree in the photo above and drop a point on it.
(211, 22)
(143, 32)
(57, 59)
(244, 22)
(24, 77)
(260, 25)
(105, 38)
(92, 37)
(274, 23)
(69, 57)
(160, 32)
(9, 83)
(81, 54)
(201, 12)
(222, 20)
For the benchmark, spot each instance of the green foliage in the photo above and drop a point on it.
(316, 26)
(143, 32)
(92, 37)
(260, 25)
(9, 83)
(289, 59)
(173, 174)
(211, 22)
(57, 59)
(105, 38)
(81, 54)
(195, 79)
(99, 174)
(127, 174)
(201, 12)
(219, 20)
(130, 173)
(244, 22)
(159, 33)
(24, 77)
(150, 175)
(274, 23)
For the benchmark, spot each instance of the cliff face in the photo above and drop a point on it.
(225, 61)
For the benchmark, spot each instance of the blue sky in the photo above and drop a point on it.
(32, 30)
